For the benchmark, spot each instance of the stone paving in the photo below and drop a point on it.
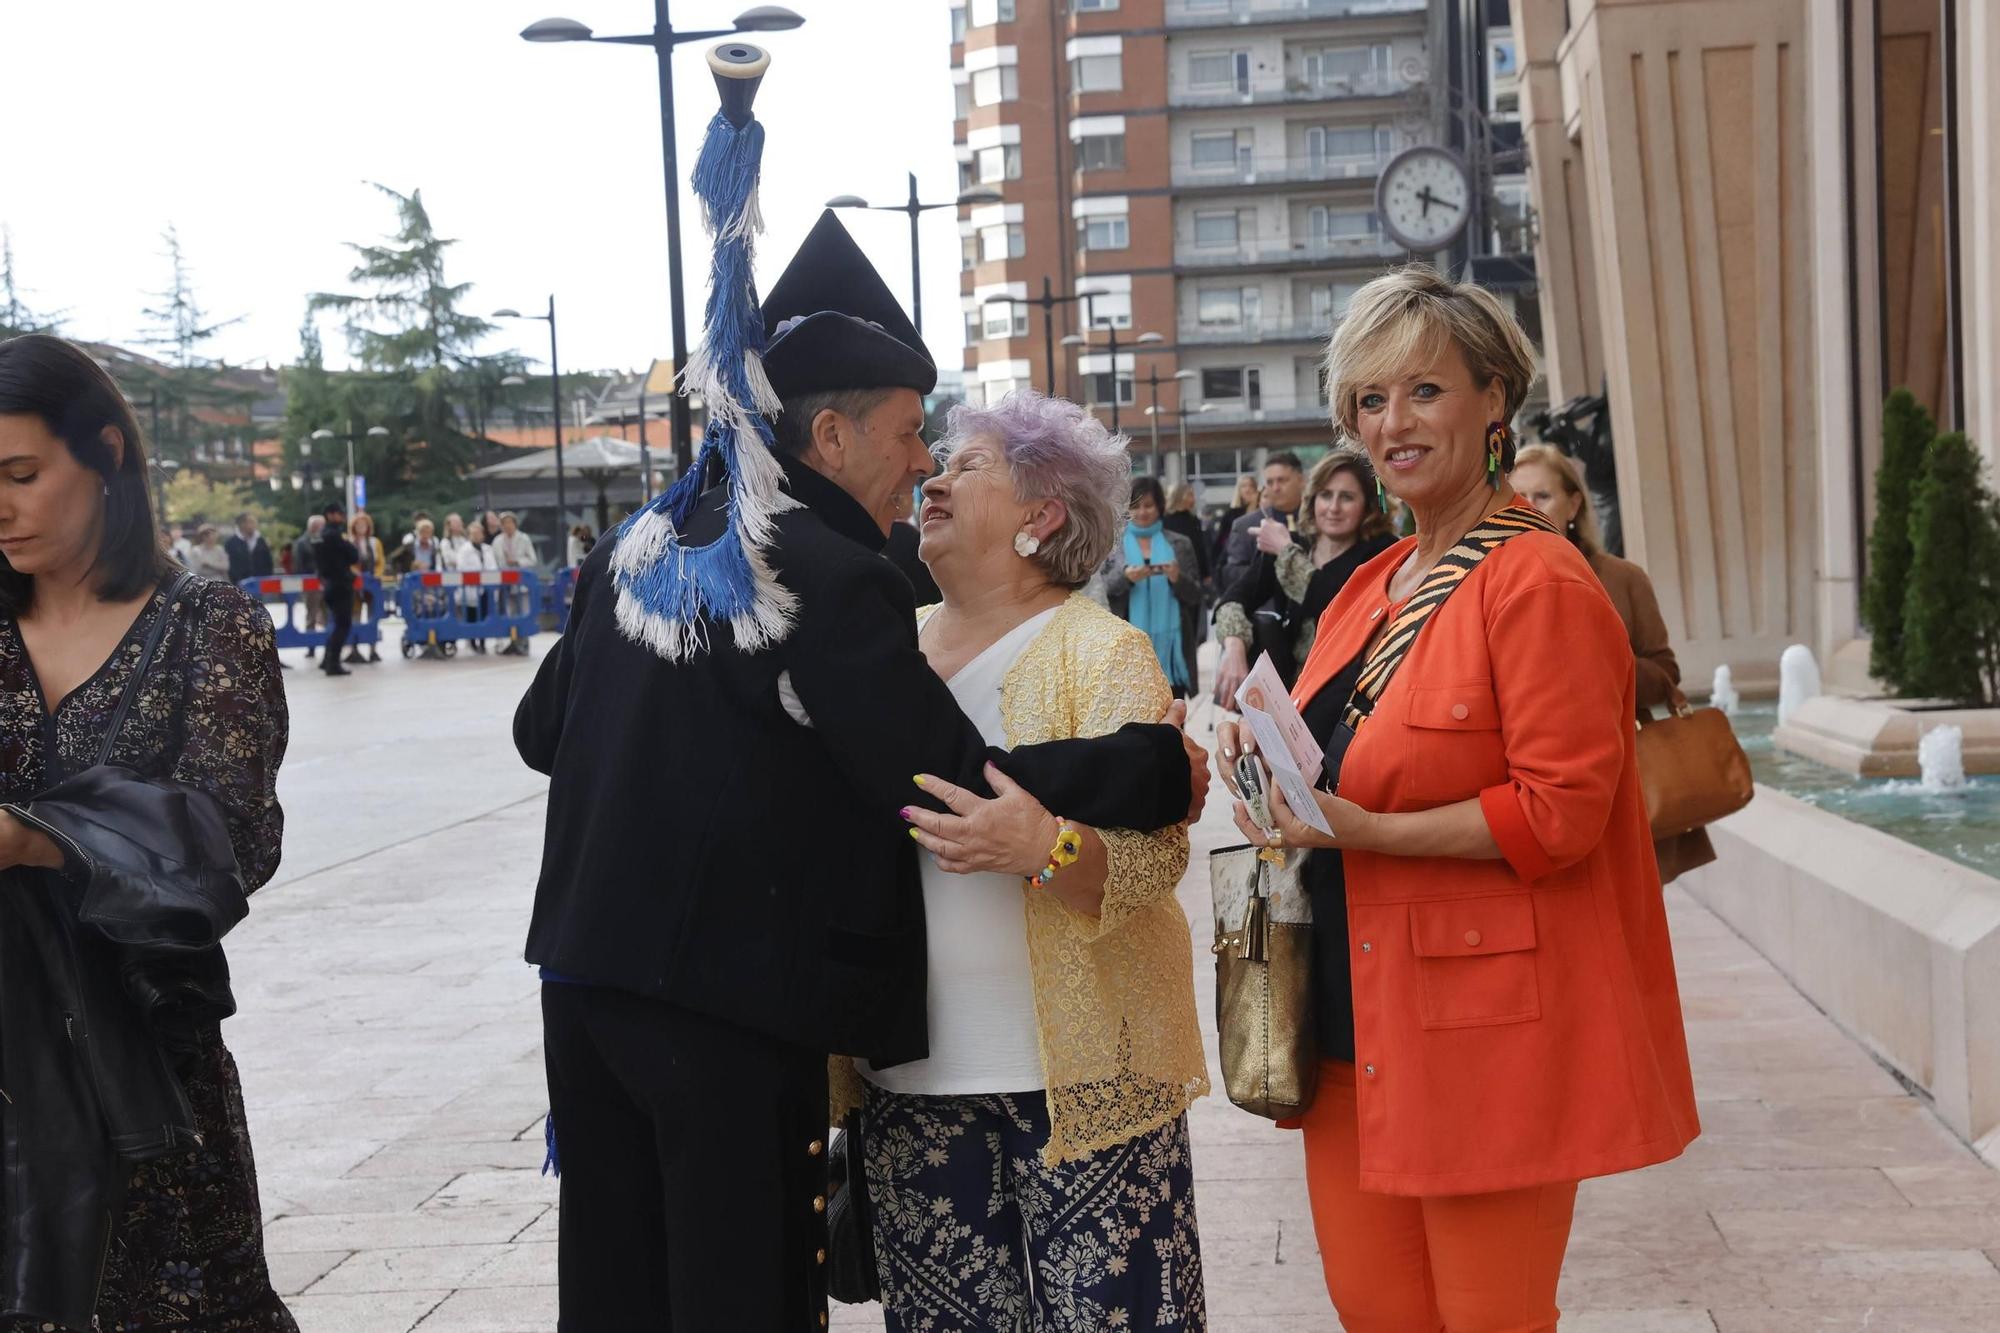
(389, 1040)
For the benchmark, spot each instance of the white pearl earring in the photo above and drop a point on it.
(1026, 544)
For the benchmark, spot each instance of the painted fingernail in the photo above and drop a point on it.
(904, 814)
(913, 833)
(918, 779)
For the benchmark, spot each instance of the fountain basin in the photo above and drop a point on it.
(1877, 738)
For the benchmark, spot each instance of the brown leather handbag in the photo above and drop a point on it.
(1691, 769)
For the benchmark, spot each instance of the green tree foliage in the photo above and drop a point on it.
(1907, 431)
(1951, 611)
(15, 316)
(404, 325)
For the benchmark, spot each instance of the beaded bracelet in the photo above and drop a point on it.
(1067, 851)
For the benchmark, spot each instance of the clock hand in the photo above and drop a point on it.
(1430, 199)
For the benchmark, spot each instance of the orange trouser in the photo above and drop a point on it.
(1464, 1263)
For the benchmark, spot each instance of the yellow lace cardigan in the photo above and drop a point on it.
(1114, 993)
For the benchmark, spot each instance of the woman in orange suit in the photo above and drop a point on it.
(1496, 1002)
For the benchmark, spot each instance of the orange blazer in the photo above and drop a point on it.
(1516, 1021)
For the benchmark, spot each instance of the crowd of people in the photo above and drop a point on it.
(966, 950)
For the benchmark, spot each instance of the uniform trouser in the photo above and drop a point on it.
(1464, 1263)
(339, 611)
(693, 1169)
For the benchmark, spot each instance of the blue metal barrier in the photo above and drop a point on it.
(441, 609)
(562, 591)
(294, 601)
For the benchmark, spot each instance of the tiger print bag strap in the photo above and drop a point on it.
(1393, 644)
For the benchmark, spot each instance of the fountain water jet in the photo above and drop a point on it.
(1941, 759)
(1722, 693)
(1798, 680)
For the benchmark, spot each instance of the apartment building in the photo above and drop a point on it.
(1193, 180)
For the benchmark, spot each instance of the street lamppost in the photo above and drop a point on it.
(663, 39)
(1183, 412)
(555, 397)
(1111, 332)
(978, 194)
(1048, 301)
(1153, 412)
(327, 437)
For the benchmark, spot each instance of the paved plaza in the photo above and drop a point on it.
(389, 1041)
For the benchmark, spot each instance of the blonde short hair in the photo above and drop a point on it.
(1407, 317)
(1569, 473)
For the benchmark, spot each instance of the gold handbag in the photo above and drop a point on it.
(1263, 980)
(1691, 769)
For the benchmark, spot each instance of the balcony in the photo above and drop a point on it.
(1243, 332)
(1272, 410)
(1304, 168)
(1290, 89)
(1272, 252)
(1238, 13)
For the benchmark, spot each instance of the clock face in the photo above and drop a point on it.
(1424, 197)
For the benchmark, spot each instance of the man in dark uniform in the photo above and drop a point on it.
(335, 557)
(727, 892)
(249, 553)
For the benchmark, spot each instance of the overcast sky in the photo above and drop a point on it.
(253, 125)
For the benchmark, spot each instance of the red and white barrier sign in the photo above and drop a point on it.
(467, 578)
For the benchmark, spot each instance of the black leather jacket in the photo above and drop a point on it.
(110, 970)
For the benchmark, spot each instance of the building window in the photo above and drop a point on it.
(1097, 74)
(986, 13)
(1328, 302)
(1004, 319)
(966, 172)
(957, 24)
(1325, 225)
(1345, 68)
(1219, 150)
(973, 332)
(1110, 310)
(1228, 306)
(1234, 385)
(1215, 71)
(1100, 152)
(1340, 145)
(961, 96)
(993, 86)
(1104, 383)
(968, 253)
(1108, 232)
(1003, 241)
(998, 389)
(1093, 6)
(1215, 229)
(1000, 163)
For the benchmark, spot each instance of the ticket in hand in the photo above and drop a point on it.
(1283, 739)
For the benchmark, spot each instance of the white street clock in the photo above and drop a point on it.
(1424, 196)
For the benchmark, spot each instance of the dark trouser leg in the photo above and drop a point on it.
(1112, 1236)
(694, 1168)
(341, 615)
(948, 1240)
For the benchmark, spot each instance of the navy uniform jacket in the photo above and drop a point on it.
(706, 849)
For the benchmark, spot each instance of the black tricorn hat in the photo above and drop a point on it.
(831, 324)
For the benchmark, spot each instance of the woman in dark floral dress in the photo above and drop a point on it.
(82, 584)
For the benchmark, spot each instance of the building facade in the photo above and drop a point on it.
(1755, 219)
(1186, 204)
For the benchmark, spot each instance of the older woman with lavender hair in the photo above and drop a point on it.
(1046, 1132)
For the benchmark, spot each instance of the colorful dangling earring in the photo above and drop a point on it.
(1496, 445)
(1381, 496)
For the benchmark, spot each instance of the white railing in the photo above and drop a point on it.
(1219, 13)
(1291, 88)
(1279, 170)
(1256, 331)
(1282, 250)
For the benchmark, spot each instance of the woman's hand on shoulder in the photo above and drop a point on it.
(1008, 834)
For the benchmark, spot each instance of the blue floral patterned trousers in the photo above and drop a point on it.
(973, 1234)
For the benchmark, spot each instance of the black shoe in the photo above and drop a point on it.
(309, 653)
(336, 669)
(353, 657)
(373, 656)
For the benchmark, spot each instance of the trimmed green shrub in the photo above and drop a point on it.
(1907, 431)
(1951, 610)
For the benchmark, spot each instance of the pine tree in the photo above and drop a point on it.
(1907, 431)
(1952, 603)
(405, 325)
(182, 329)
(15, 317)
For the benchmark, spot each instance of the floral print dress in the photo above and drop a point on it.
(188, 1252)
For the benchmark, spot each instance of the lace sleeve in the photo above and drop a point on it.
(1295, 571)
(235, 725)
(1120, 683)
(1232, 622)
